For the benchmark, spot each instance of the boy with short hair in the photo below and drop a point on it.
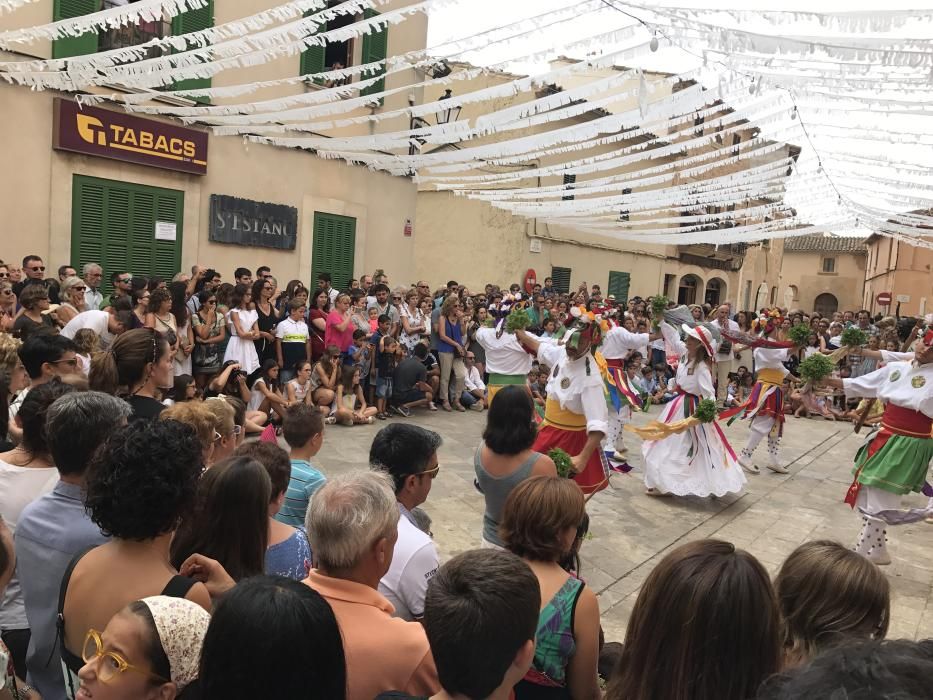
(383, 326)
(303, 429)
(292, 341)
(358, 355)
(481, 616)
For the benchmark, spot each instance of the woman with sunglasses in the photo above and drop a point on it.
(148, 651)
(209, 334)
(71, 294)
(7, 305)
(267, 318)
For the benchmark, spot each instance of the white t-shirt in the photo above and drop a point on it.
(19, 486)
(504, 354)
(97, 321)
(414, 564)
(292, 331)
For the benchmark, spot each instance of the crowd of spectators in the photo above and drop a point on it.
(149, 550)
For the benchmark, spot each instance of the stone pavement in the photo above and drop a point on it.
(631, 531)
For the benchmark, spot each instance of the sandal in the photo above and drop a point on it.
(459, 407)
(330, 420)
(446, 406)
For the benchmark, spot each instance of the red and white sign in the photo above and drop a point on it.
(408, 228)
(531, 279)
(883, 299)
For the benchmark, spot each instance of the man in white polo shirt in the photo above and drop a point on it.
(408, 453)
(107, 325)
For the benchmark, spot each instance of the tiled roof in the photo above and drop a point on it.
(824, 244)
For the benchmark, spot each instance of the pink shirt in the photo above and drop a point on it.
(332, 336)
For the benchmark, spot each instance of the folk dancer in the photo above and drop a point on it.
(698, 461)
(507, 361)
(617, 345)
(894, 460)
(576, 415)
(765, 404)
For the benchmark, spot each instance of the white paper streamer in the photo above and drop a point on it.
(111, 18)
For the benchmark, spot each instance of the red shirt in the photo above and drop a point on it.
(332, 336)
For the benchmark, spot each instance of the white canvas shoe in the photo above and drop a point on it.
(748, 466)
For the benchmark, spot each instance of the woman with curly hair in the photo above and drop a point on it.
(142, 482)
(159, 315)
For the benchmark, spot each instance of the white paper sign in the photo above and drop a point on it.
(166, 231)
(903, 298)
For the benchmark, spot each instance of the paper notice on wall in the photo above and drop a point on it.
(166, 231)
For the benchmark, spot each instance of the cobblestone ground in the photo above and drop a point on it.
(632, 531)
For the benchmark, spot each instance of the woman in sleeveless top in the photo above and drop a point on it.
(140, 485)
(504, 458)
(450, 350)
(539, 525)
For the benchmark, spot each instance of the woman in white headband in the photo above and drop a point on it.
(148, 651)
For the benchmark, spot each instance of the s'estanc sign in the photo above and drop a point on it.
(120, 136)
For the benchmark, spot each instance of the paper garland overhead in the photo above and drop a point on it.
(700, 156)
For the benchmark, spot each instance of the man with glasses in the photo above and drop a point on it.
(474, 390)
(122, 286)
(408, 453)
(93, 273)
(34, 269)
(45, 357)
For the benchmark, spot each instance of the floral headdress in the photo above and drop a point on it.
(768, 321)
(586, 325)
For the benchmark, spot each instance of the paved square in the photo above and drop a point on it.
(631, 531)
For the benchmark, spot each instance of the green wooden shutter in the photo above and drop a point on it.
(185, 23)
(375, 48)
(312, 59)
(560, 276)
(333, 248)
(74, 45)
(618, 286)
(113, 224)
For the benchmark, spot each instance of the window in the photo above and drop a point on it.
(618, 286)
(829, 265)
(113, 223)
(132, 34)
(333, 248)
(339, 54)
(793, 292)
(747, 298)
(560, 276)
(569, 180)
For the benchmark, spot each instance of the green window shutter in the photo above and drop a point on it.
(185, 23)
(333, 247)
(312, 59)
(560, 276)
(618, 286)
(74, 45)
(113, 224)
(375, 48)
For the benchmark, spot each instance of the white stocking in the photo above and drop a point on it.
(773, 444)
(759, 428)
(873, 539)
(613, 440)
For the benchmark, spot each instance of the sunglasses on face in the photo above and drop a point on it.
(79, 289)
(36, 269)
(431, 472)
(73, 362)
(4, 275)
(125, 280)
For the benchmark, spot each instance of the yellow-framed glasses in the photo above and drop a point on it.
(111, 664)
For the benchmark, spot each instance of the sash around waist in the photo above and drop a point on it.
(907, 422)
(507, 379)
(770, 375)
(560, 418)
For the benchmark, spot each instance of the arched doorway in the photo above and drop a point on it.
(761, 297)
(825, 304)
(687, 292)
(715, 292)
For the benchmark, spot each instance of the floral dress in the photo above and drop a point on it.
(206, 359)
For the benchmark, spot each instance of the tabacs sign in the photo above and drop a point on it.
(120, 136)
(245, 222)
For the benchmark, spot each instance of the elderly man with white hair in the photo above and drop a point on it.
(724, 351)
(93, 274)
(352, 523)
